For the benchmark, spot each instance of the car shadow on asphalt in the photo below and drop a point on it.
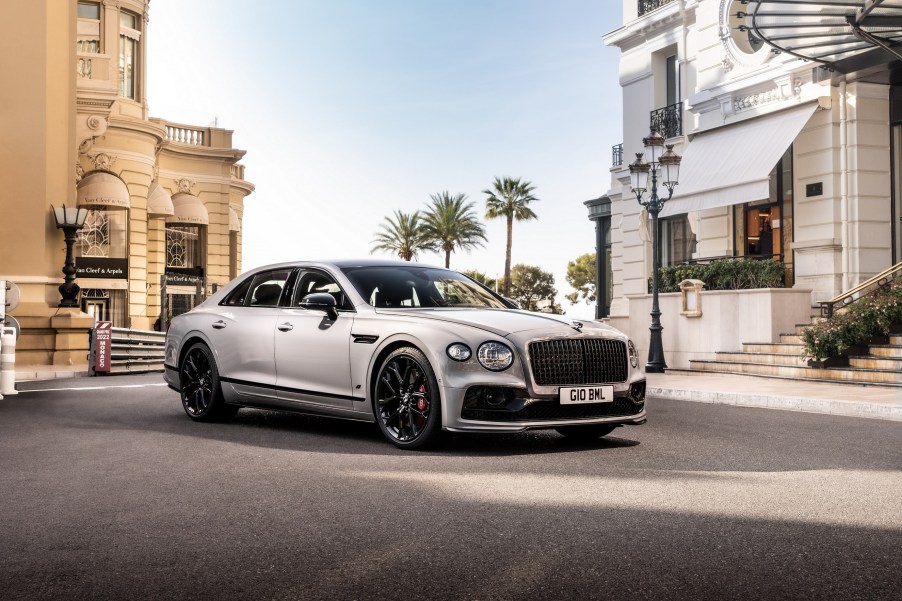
(334, 435)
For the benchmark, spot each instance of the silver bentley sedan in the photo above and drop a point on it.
(414, 348)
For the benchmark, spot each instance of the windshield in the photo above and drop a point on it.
(415, 287)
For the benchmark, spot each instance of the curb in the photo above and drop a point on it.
(786, 403)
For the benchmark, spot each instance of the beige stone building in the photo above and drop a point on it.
(163, 199)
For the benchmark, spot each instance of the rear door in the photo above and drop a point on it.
(244, 330)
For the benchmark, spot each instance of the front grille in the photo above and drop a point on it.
(578, 361)
(553, 410)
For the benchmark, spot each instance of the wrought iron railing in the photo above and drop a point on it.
(617, 155)
(646, 6)
(845, 299)
(668, 121)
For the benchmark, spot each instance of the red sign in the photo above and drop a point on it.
(103, 342)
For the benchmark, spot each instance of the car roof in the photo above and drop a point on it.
(347, 263)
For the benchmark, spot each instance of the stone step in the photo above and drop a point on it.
(752, 377)
(895, 339)
(791, 338)
(872, 362)
(885, 350)
(844, 374)
(781, 348)
(768, 358)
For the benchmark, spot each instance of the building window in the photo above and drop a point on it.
(88, 29)
(764, 227)
(104, 235)
(677, 240)
(129, 40)
(183, 248)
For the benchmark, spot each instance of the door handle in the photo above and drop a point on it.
(219, 324)
(285, 327)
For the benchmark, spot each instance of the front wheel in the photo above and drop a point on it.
(407, 402)
(199, 385)
(587, 432)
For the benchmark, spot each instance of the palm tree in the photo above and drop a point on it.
(509, 198)
(403, 235)
(451, 223)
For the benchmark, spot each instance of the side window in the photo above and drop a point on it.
(237, 297)
(266, 289)
(311, 282)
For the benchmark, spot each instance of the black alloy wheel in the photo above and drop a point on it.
(406, 401)
(199, 384)
(586, 432)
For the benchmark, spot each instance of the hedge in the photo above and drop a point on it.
(723, 274)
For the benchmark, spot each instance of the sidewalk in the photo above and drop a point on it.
(877, 402)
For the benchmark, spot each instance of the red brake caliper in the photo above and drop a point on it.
(421, 403)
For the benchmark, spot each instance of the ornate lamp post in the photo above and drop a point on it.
(70, 221)
(666, 166)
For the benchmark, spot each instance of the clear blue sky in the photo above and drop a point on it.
(349, 109)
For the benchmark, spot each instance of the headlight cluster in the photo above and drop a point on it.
(634, 354)
(459, 351)
(493, 356)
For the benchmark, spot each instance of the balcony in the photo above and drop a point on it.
(617, 155)
(646, 6)
(668, 121)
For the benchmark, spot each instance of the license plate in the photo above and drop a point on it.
(587, 394)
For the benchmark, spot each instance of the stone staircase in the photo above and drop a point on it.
(881, 365)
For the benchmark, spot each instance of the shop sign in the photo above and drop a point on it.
(103, 342)
(176, 275)
(101, 267)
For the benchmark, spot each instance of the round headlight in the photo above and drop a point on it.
(495, 356)
(634, 354)
(459, 351)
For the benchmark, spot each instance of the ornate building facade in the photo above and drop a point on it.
(787, 155)
(165, 200)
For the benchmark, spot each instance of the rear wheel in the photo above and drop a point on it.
(587, 432)
(406, 402)
(200, 389)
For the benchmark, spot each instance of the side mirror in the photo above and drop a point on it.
(320, 301)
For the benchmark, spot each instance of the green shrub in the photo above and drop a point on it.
(870, 316)
(723, 274)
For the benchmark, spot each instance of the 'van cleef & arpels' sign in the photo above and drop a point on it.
(101, 267)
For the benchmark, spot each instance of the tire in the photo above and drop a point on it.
(587, 432)
(200, 389)
(406, 400)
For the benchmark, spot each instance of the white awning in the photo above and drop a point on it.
(189, 210)
(234, 221)
(731, 165)
(159, 203)
(102, 190)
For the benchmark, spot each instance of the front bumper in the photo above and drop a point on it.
(508, 409)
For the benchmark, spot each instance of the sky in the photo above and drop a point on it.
(351, 109)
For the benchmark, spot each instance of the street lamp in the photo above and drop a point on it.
(70, 221)
(665, 165)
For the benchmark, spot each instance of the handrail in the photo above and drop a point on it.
(849, 297)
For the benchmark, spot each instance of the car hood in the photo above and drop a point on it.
(506, 323)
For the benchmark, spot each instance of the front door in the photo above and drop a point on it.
(312, 350)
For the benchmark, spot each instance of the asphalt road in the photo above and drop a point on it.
(113, 493)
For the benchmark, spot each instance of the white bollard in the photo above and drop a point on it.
(8, 361)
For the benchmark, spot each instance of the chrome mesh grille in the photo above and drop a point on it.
(578, 361)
